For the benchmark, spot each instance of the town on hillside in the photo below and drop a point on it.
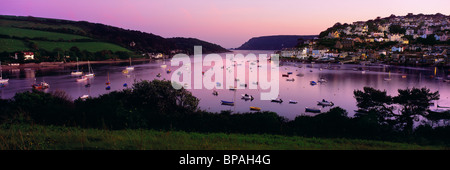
(415, 40)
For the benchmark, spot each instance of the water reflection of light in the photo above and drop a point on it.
(339, 86)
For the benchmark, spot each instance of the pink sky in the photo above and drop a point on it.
(228, 23)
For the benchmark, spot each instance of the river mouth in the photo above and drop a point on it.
(340, 82)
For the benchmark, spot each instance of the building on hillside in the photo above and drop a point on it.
(395, 37)
(397, 49)
(377, 34)
(26, 55)
(334, 34)
(409, 32)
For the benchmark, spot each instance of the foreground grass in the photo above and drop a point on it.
(37, 137)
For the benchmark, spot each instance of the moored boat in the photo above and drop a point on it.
(42, 85)
(255, 108)
(313, 110)
(84, 97)
(325, 103)
(277, 100)
(224, 102)
(247, 97)
(292, 102)
(313, 83)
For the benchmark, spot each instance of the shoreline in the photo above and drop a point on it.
(54, 65)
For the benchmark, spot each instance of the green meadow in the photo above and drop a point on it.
(29, 33)
(39, 137)
(88, 46)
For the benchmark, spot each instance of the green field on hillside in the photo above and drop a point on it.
(89, 46)
(11, 45)
(22, 33)
(38, 137)
(39, 25)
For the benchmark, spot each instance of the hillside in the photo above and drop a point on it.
(276, 42)
(19, 33)
(38, 137)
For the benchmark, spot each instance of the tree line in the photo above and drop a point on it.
(156, 105)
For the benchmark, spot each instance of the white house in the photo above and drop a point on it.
(26, 55)
(377, 34)
(397, 49)
(395, 37)
(318, 53)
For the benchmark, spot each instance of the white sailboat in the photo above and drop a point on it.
(78, 72)
(130, 67)
(2, 81)
(91, 72)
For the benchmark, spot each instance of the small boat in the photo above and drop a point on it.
(325, 103)
(277, 100)
(82, 78)
(108, 88)
(232, 88)
(125, 85)
(84, 97)
(289, 73)
(87, 85)
(227, 103)
(91, 72)
(310, 71)
(292, 79)
(78, 72)
(322, 80)
(125, 71)
(313, 110)
(42, 85)
(300, 75)
(313, 83)
(292, 102)
(130, 67)
(215, 93)
(442, 106)
(107, 82)
(285, 75)
(247, 97)
(168, 71)
(243, 85)
(158, 75)
(163, 66)
(404, 76)
(255, 108)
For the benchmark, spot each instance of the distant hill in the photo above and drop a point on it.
(275, 42)
(23, 33)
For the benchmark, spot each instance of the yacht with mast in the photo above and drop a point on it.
(78, 72)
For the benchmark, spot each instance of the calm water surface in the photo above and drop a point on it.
(342, 80)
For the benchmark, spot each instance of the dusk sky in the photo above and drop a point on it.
(228, 23)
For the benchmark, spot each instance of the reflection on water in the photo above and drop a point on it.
(339, 83)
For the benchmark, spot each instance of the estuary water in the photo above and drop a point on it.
(339, 83)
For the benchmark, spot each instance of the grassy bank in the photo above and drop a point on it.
(38, 137)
